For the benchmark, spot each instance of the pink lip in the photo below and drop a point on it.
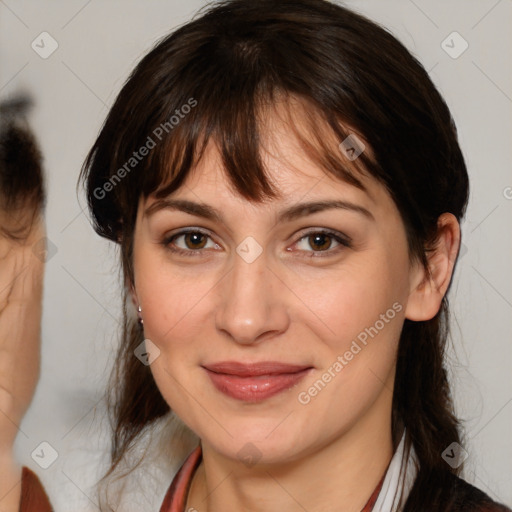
(256, 381)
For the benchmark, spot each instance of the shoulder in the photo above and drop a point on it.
(33, 495)
(467, 498)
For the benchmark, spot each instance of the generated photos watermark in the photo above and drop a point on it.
(145, 149)
(305, 397)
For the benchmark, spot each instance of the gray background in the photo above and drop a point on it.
(99, 43)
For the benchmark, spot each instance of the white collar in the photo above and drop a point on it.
(396, 479)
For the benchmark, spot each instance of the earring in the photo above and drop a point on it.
(139, 311)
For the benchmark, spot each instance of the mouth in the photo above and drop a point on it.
(255, 382)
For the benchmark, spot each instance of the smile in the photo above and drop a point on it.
(257, 381)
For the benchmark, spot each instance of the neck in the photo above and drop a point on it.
(340, 475)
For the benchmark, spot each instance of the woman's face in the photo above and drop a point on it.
(254, 286)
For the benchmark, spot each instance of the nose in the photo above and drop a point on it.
(252, 302)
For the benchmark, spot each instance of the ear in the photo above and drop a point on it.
(428, 289)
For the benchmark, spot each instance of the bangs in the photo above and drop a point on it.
(241, 134)
(222, 79)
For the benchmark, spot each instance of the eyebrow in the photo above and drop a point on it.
(294, 212)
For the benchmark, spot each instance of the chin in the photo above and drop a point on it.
(252, 444)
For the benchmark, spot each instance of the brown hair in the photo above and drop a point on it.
(345, 70)
(22, 184)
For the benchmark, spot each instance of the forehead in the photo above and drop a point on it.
(287, 168)
(304, 189)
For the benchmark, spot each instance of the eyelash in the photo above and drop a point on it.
(343, 240)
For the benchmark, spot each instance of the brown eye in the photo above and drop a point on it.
(320, 241)
(187, 243)
(194, 240)
(323, 242)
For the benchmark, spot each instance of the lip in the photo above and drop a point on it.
(255, 382)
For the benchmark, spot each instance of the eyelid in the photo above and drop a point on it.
(328, 231)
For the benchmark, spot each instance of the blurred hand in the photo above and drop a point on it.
(22, 232)
(21, 285)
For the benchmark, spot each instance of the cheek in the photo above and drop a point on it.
(371, 290)
(362, 313)
(174, 308)
(175, 312)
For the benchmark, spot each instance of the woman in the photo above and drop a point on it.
(288, 236)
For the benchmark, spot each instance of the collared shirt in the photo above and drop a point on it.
(399, 476)
(176, 497)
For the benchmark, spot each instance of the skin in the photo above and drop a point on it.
(284, 307)
(21, 289)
